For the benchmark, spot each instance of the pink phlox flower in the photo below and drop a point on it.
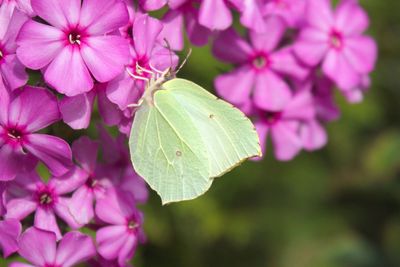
(12, 72)
(40, 248)
(77, 42)
(22, 113)
(10, 230)
(148, 55)
(336, 39)
(151, 5)
(28, 194)
(283, 126)
(292, 11)
(85, 152)
(261, 67)
(356, 95)
(119, 239)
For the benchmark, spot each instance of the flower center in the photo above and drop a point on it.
(91, 182)
(74, 38)
(1, 55)
(336, 39)
(260, 62)
(14, 134)
(132, 225)
(272, 117)
(45, 199)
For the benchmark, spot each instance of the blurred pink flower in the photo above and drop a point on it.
(10, 231)
(336, 39)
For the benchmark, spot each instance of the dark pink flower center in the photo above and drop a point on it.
(46, 197)
(260, 62)
(272, 117)
(336, 39)
(1, 54)
(132, 225)
(74, 37)
(91, 182)
(13, 136)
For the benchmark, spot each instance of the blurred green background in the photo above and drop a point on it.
(337, 207)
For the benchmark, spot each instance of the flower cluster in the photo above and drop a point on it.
(58, 57)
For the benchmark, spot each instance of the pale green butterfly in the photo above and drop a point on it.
(183, 137)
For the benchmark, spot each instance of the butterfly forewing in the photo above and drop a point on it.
(228, 135)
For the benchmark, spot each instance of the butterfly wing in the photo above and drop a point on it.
(228, 135)
(171, 164)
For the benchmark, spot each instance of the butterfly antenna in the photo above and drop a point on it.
(184, 61)
(170, 51)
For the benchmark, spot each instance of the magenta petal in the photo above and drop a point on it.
(33, 39)
(146, 29)
(74, 248)
(197, 34)
(301, 107)
(230, 47)
(263, 131)
(271, 92)
(69, 181)
(110, 240)
(122, 91)
(53, 151)
(287, 143)
(319, 14)
(77, 110)
(115, 207)
(313, 135)
(236, 86)
(105, 56)
(215, 15)
(68, 73)
(62, 211)
(58, 13)
(4, 104)
(110, 112)
(351, 18)
(20, 208)
(81, 205)
(283, 61)
(9, 166)
(127, 251)
(361, 53)
(276, 28)
(103, 16)
(13, 72)
(9, 234)
(337, 67)
(8, 41)
(252, 16)
(150, 5)
(85, 153)
(311, 46)
(34, 109)
(20, 264)
(45, 219)
(38, 246)
(173, 29)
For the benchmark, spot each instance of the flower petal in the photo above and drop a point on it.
(301, 107)
(9, 234)
(262, 131)
(38, 246)
(110, 240)
(351, 18)
(103, 16)
(69, 182)
(311, 46)
(150, 5)
(361, 53)
(33, 39)
(59, 13)
(283, 61)
(105, 56)
(4, 104)
(62, 211)
(230, 47)
(123, 91)
(173, 29)
(313, 135)
(77, 110)
(268, 41)
(271, 93)
(319, 14)
(67, 252)
(146, 30)
(53, 151)
(85, 152)
(128, 250)
(20, 208)
(115, 207)
(9, 163)
(45, 219)
(68, 73)
(215, 15)
(81, 205)
(236, 86)
(13, 72)
(33, 109)
(287, 143)
(110, 112)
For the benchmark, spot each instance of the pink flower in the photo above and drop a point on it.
(11, 70)
(40, 248)
(27, 194)
(150, 5)
(147, 54)
(284, 126)
(118, 240)
(336, 39)
(76, 43)
(9, 235)
(261, 70)
(22, 113)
